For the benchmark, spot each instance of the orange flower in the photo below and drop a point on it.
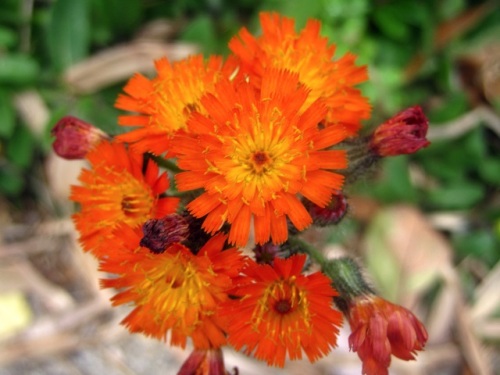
(174, 291)
(309, 55)
(379, 329)
(253, 153)
(116, 191)
(283, 312)
(164, 103)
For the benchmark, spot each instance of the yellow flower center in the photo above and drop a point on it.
(260, 161)
(283, 306)
(282, 300)
(122, 197)
(263, 160)
(135, 205)
(178, 291)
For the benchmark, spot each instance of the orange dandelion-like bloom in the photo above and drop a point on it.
(253, 153)
(163, 104)
(175, 290)
(309, 55)
(379, 329)
(283, 312)
(114, 191)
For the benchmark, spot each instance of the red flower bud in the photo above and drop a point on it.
(204, 362)
(402, 134)
(379, 329)
(331, 214)
(161, 233)
(265, 254)
(75, 137)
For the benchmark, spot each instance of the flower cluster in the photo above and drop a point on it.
(257, 148)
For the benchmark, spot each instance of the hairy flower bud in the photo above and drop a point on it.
(331, 214)
(402, 134)
(161, 233)
(75, 137)
(265, 254)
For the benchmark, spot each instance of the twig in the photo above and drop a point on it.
(463, 124)
(477, 359)
(119, 63)
(53, 334)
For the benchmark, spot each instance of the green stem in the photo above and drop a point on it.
(344, 272)
(165, 163)
(308, 249)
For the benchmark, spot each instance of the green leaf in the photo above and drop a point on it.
(202, 32)
(90, 109)
(11, 180)
(68, 33)
(343, 9)
(489, 170)
(388, 19)
(301, 10)
(123, 18)
(7, 115)
(451, 107)
(18, 69)
(8, 38)
(380, 261)
(461, 195)
(21, 147)
(112, 19)
(480, 244)
(395, 185)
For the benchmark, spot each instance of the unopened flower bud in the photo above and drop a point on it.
(204, 362)
(402, 134)
(347, 277)
(265, 254)
(75, 137)
(161, 233)
(331, 213)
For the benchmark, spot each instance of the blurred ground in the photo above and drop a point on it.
(55, 320)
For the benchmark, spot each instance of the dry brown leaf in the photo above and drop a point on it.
(119, 63)
(404, 253)
(33, 111)
(487, 296)
(478, 359)
(466, 122)
(488, 329)
(61, 174)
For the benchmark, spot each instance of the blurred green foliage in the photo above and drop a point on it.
(39, 40)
